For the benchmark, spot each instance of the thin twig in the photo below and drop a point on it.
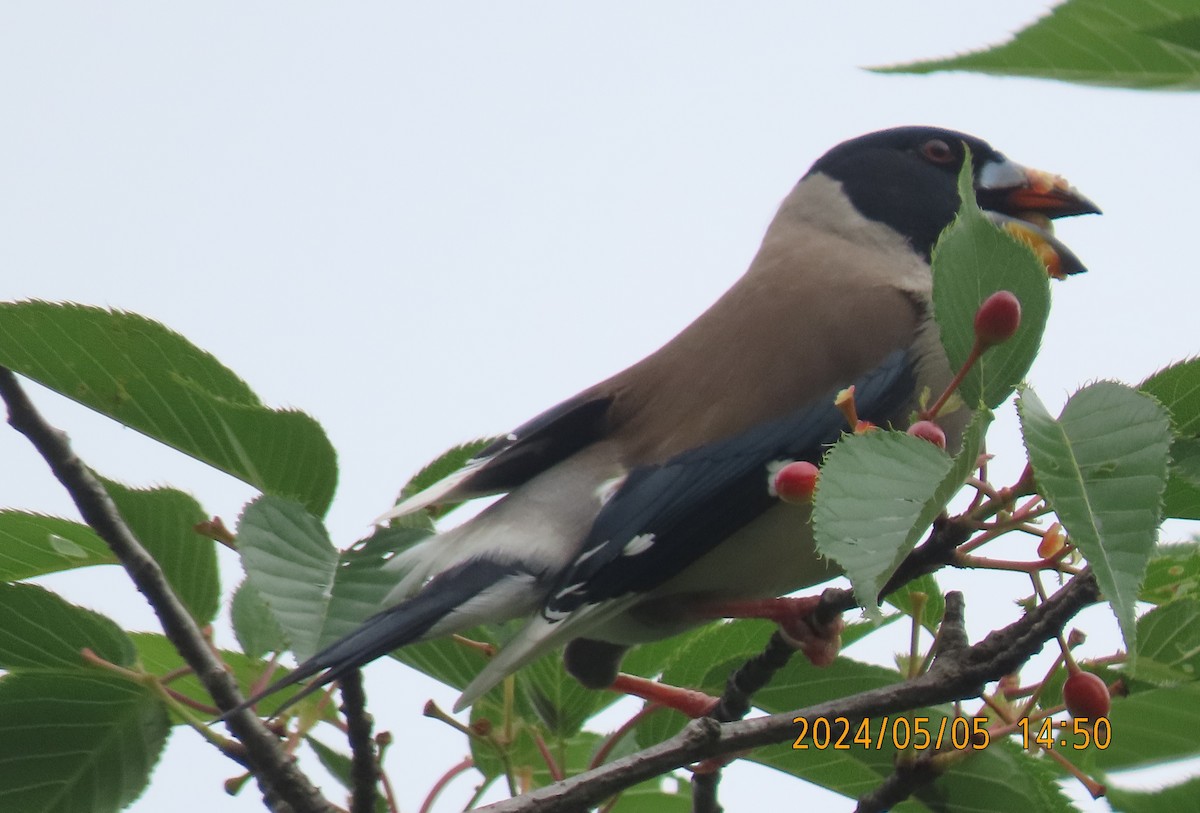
(364, 768)
(956, 674)
(283, 784)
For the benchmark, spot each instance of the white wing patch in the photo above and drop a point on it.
(608, 488)
(638, 544)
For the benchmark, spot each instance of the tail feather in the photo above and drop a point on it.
(462, 597)
(537, 637)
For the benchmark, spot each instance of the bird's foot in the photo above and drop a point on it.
(820, 642)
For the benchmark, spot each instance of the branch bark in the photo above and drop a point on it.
(960, 672)
(284, 786)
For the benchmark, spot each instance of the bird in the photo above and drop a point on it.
(633, 508)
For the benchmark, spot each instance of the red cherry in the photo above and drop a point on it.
(997, 318)
(930, 431)
(796, 482)
(1086, 695)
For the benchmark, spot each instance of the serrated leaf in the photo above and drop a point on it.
(965, 463)
(164, 520)
(1177, 388)
(972, 260)
(873, 503)
(1169, 643)
(1173, 573)
(254, 624)
(1116, 43)
(1181, 499)
(42, 631)
(34, 544)
(117, 730)
(291, 563)
(153, 380)
(1102, 466)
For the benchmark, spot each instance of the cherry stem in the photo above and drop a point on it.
(972, 357)
(556, 772)
(444, 780)
(615, 738)
(434, 712)
(479, 646)
(918, 600)
(985, 563)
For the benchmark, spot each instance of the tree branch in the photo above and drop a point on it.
(284, 786)
(958, 673)
(364, 769)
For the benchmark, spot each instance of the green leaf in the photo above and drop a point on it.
(1151, 727)
(972, 260)
(1102, 466)
(1181, 31)
(340, 767)
(1178, 389)
(41, 631)
(441, 467)
(153, 380)
(933, 601)
(652, 658)
(158, 656)
(74, 742)
(1185, 460)
(561, 702)
(1173, 573)
(1170, 799)
(291, 563)
(164, 520)
(709, 658)
(1169, 643)
(1116, 43)
(317, 594)
(254, 624)
(34, 544)
(1181, 500)
(652, 797)
(875, 499)
(447, 660)
(998, 779)
(965, 463)
(363, 579)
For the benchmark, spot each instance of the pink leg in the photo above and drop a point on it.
(819, 643)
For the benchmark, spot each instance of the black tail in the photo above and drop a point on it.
(391, 629)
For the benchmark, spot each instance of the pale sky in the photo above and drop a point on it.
(422, 225)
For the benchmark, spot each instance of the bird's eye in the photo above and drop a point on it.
(937, 151)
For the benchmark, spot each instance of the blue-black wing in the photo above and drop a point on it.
(684, 507)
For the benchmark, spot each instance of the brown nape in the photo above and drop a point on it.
(593, 663)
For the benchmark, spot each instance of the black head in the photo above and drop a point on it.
(906, 177)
